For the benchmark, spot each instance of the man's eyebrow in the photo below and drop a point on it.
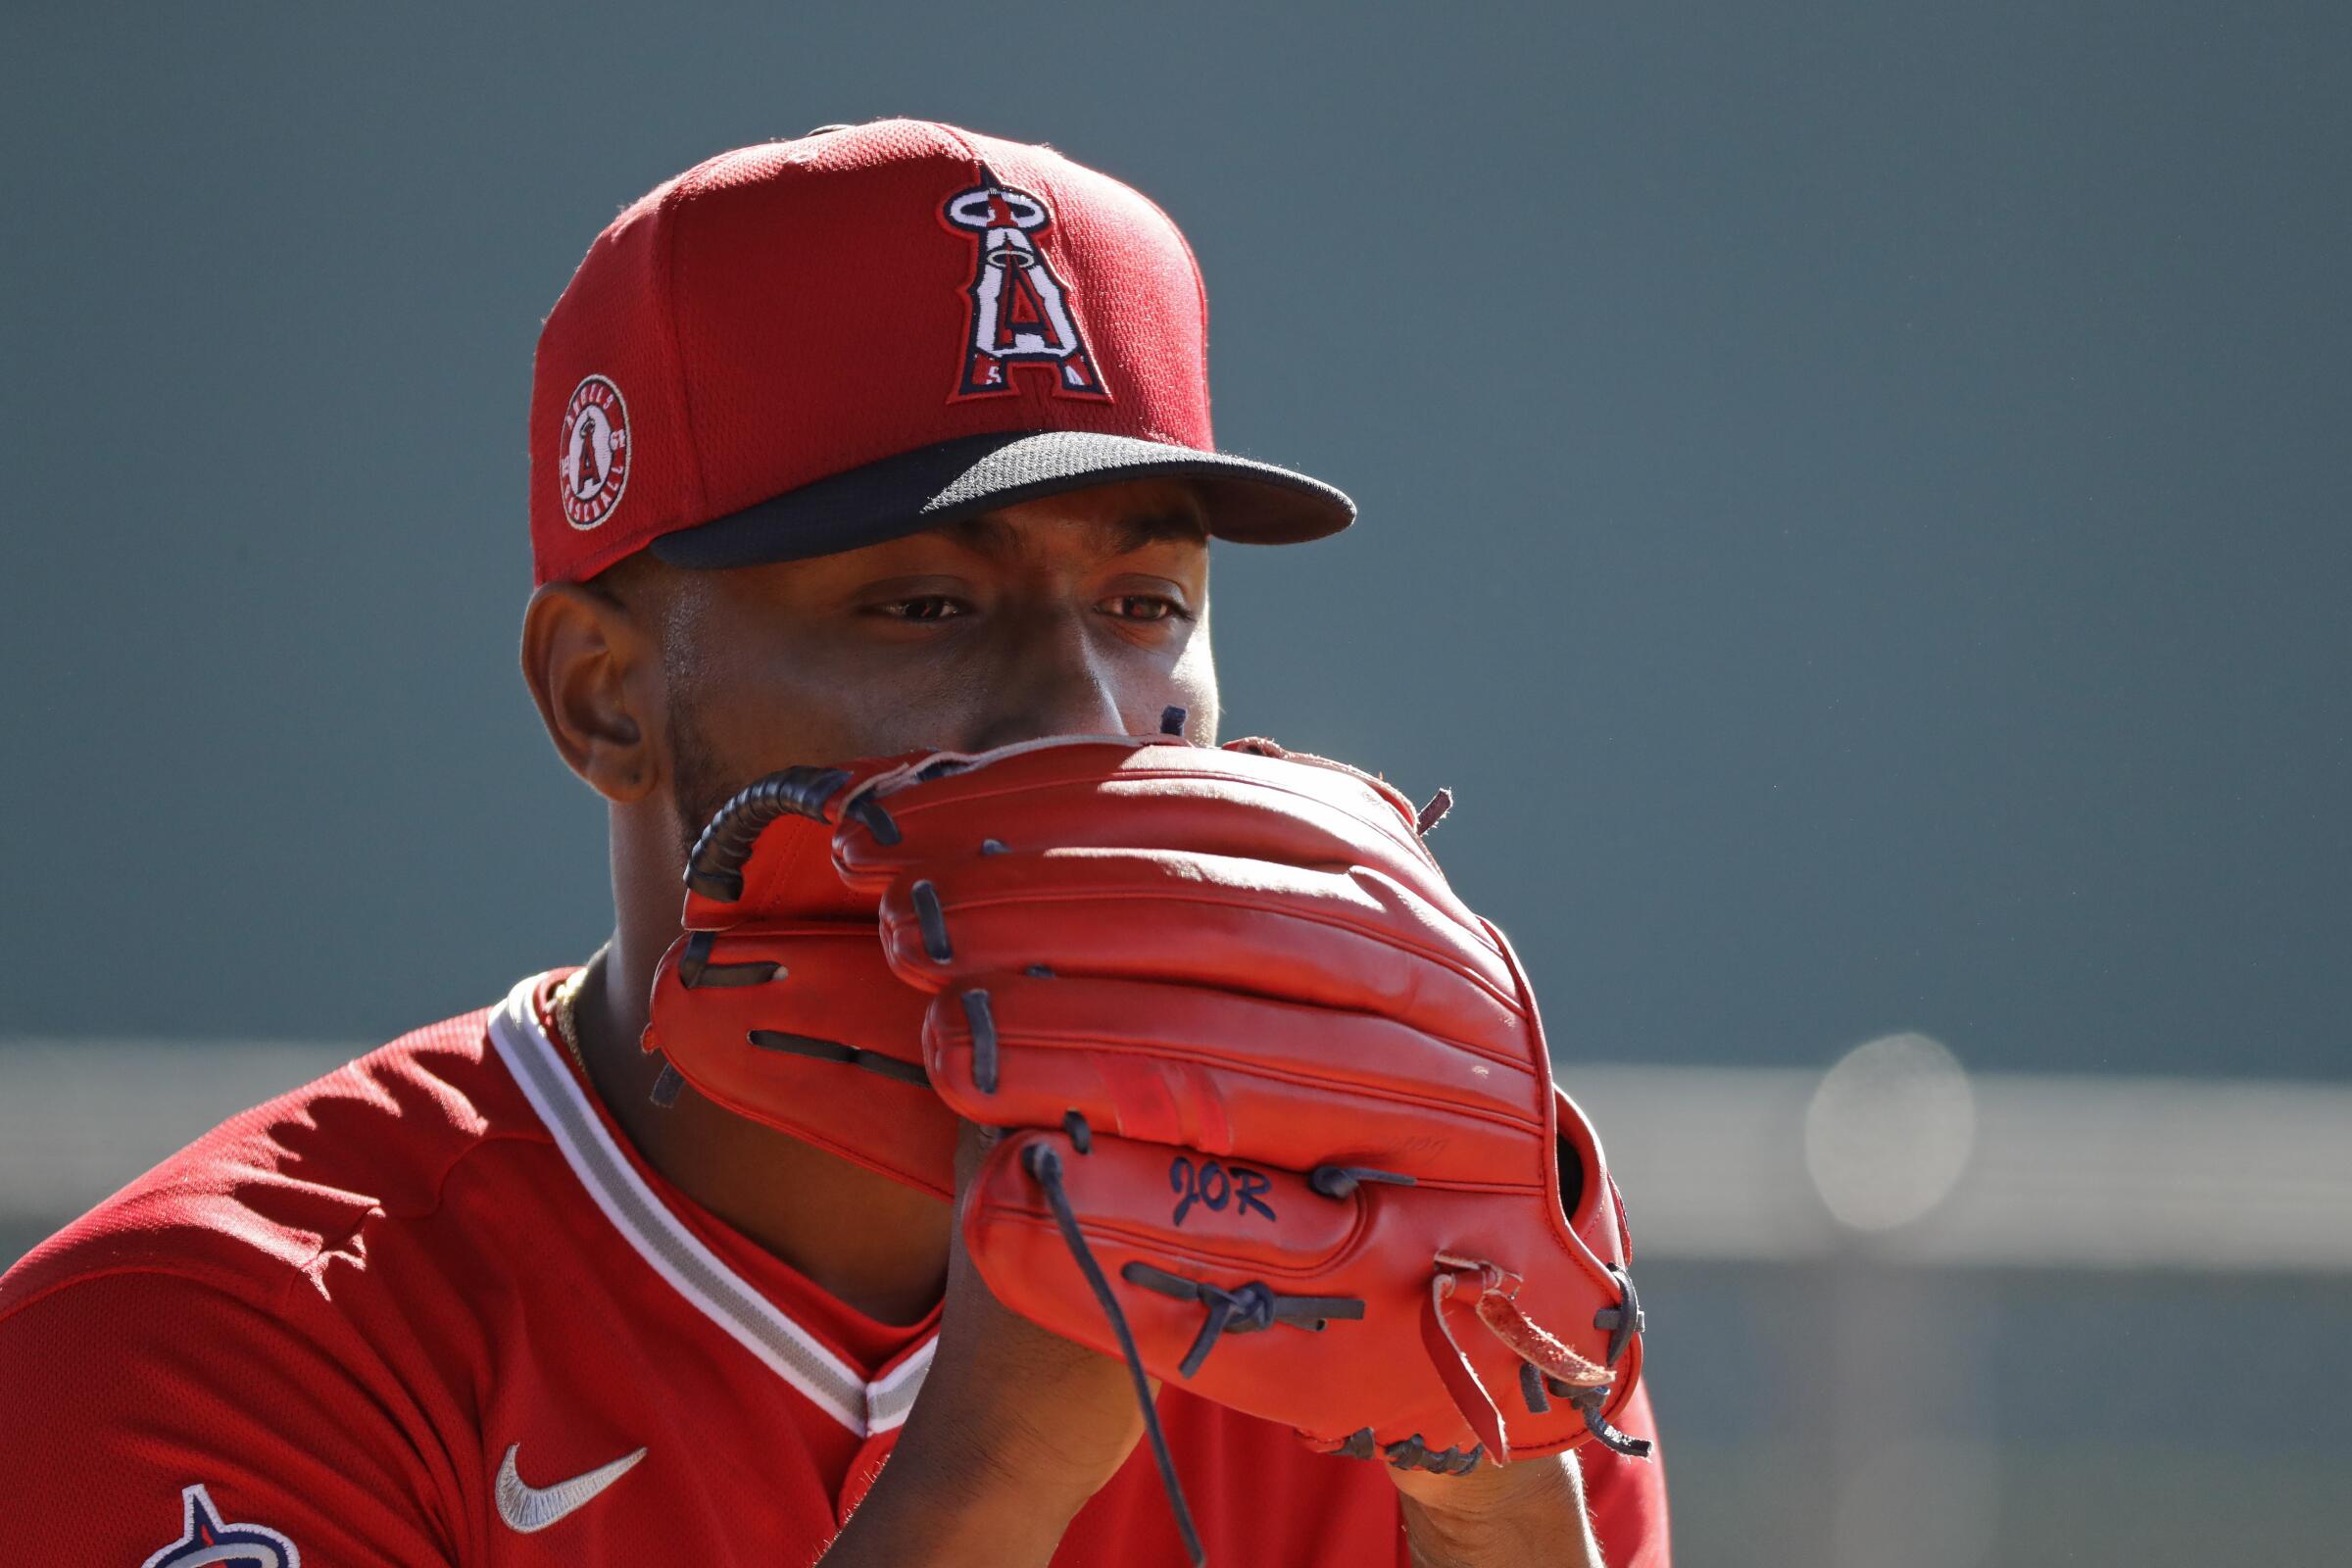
(998, 539)
(1133, 533)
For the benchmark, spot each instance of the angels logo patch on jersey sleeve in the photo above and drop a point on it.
(1021, 314)
(206, 1540)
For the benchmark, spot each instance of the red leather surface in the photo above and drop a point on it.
(1237, 965)
(833, 984)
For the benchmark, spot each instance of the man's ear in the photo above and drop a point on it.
(595, 671)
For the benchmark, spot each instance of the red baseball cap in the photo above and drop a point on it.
(811, 345)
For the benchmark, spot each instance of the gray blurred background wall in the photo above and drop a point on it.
(1852, 504)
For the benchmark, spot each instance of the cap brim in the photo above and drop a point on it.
(1249, 502)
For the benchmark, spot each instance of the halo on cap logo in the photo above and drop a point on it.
(1021, 312)
(595, 461)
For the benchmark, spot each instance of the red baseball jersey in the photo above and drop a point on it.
(433, 1310)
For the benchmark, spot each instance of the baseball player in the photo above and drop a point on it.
(889, 440)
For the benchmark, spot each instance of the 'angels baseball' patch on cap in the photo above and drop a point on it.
(594, 464)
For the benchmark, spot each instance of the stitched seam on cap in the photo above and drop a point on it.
(672, 209)
(957, 136)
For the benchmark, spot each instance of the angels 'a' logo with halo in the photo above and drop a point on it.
(595, 442)
(204, 1537)
(1021, 312)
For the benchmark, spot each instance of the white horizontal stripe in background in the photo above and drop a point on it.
(80, 1117)
(2065, 1173)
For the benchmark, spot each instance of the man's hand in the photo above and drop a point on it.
(1014, 1430)
(1530, 1515)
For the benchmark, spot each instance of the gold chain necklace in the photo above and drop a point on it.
(559, 1007)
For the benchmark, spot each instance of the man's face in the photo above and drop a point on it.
(1086, 612)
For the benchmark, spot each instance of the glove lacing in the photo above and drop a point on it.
(1044, 1165)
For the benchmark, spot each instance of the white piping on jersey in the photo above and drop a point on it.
(675, 1253)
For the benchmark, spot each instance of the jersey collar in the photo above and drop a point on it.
(675, 1252)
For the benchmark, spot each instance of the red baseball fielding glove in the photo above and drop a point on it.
(1280, 1117)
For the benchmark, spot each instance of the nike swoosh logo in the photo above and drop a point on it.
(529, 1509)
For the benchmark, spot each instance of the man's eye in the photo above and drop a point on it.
(927, 607)
(1147, 608)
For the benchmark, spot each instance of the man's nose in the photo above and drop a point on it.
(1054, 681)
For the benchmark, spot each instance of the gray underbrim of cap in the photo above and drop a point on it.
(1247, 502)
